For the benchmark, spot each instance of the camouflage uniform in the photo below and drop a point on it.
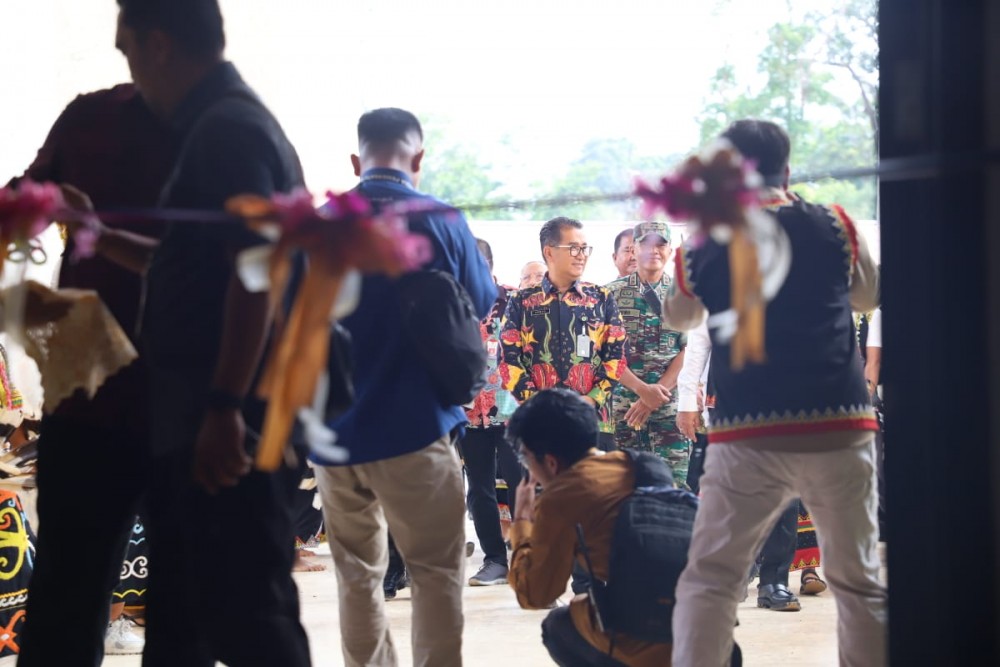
(649, 350)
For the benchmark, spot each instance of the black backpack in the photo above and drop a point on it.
(440, 322)
(648, 552)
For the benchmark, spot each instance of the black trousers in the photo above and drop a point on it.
(606, 442)
(778, 552)
(883, 516)
(90, 482)
(481, 449)
(567, 647)
(696, 465)
(220, 576)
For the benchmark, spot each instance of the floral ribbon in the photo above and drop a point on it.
(719, 191)
(343, 234)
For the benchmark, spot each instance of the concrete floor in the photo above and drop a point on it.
(498, 632)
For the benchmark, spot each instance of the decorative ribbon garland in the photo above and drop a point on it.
(715, 191)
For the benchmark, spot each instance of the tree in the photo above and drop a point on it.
(606, 166)
(830, 127)
(456, 174)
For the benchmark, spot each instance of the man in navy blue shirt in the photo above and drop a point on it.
(403, 469)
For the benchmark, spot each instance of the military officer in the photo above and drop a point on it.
(645, 403)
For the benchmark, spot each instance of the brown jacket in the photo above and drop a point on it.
(589, 493)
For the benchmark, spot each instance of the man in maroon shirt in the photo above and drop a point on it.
(92, 453)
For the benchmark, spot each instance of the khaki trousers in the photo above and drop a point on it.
(743, 491)
(420, 496)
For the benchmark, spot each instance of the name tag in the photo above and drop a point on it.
(583, 346)
(540, 311)
(492, 348)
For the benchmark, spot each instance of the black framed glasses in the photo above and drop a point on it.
(577, 250)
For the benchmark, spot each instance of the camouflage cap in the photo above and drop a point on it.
(644, 229)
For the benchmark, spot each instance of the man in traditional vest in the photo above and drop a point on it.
(801, 424)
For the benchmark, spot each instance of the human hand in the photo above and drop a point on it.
(687, 424)
(524, 500)
(654, 395)
(701, 399)
(637, 415)
(220, 459)
(79, 203)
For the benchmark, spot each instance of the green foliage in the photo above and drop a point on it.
(456, 173)
(605, 166)
(856, 196)
(800, 90)
(816, 75)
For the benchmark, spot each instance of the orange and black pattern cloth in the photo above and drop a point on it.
(574, 339)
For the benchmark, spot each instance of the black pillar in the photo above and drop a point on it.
(940, 261)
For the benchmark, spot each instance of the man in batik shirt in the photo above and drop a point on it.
(564, 332)
(645, 403)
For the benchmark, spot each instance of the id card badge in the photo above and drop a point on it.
(583, 346)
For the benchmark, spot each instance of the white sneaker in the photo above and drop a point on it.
(120, 639)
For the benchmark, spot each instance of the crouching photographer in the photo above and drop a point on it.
(615, 515)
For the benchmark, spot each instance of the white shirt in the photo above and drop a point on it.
(698, 351)
(874, 329)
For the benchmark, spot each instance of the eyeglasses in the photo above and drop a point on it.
(577, 250)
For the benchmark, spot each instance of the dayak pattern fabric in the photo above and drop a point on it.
(17, 561)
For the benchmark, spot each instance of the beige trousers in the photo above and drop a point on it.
(420, 497)
(742, 492)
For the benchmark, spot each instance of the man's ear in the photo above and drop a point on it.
(415, 162)
(551, 464)
(546, 255)
(356, 161)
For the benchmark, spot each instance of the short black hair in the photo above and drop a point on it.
(622, 234)
(486, 251)
(195, 25)
(551, 232)
(387, 126)
(555, 421)
(765, 143)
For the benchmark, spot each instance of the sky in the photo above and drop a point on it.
(547, 74)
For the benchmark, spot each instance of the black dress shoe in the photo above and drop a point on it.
(395, 580)
(777, 597)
